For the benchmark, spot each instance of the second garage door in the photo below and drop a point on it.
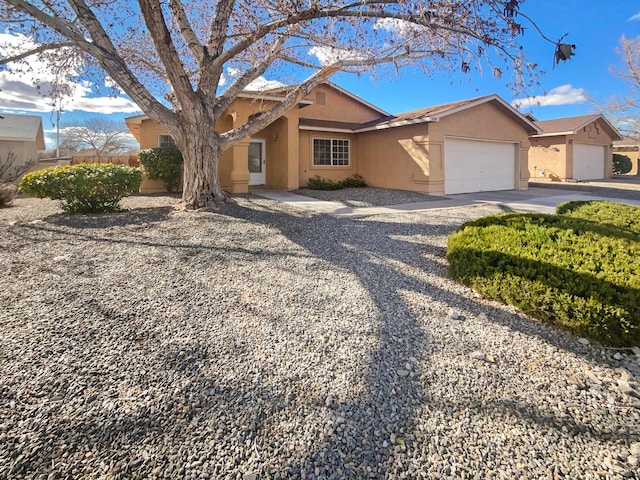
(588, 161)
(477, 166)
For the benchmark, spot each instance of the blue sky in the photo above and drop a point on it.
(595, 30)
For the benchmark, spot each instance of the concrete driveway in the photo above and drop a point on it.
(539, 198)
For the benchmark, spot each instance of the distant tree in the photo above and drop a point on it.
(624, 110)
(105, 137)
(184, 63)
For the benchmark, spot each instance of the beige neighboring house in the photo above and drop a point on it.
(631, 148)
(22, 135)
(479, 144)
(573, 149)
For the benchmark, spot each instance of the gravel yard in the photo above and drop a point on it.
(263, 342)
(368, 197)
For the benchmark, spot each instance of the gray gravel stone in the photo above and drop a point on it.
(262, 340)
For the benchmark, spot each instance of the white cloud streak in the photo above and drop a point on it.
(29, 89)
(562, 95)
(331, 55)
(634, 17)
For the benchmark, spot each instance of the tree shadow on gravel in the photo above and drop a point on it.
(371, 433)
(137, 216)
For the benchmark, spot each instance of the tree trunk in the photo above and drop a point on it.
(201, 153)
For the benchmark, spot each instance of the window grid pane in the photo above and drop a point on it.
(321, 151)
(330, 152)
(166, 141)
(340, 152)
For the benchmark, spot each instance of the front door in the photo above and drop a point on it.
(257, 165)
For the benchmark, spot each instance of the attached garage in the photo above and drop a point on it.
(588, 161)
(573, 149)
(478, 166)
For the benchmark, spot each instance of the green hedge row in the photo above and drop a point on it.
(86, 187)
(318, 183)
(579, 269)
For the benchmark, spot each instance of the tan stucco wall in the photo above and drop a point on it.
(337, 107)
(547, 158)
(24, 151)
(558, 165)
(395, 158)
(339, 172)
(412, 157)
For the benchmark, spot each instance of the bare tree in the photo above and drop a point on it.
(177, 59)
(624, 110)
(10, 171)
(105, 137)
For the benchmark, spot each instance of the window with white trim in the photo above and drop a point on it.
(330, 152)
(166, 141)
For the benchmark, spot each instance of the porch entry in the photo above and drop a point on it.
(257, 166)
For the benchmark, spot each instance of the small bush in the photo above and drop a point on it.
(319, 183)
(87, 187)
(575, 270)
(163, 164)
(621, 164)
(8, 192)
(354, 181)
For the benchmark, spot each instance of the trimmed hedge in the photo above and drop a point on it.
(163, 164)
(86, 187)
(579, 270)
(621, 164)
(318, 183)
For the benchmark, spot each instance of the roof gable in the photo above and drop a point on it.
(436, 112)
(572, 125)
(22, 128)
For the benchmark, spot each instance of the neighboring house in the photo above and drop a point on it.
(479, 144)
(573, 149)
(22, 135)
(631, 148)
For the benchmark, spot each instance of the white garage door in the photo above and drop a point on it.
(475, 166)
(588, 161)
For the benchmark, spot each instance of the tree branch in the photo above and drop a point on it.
(35, 51)
(177, 10)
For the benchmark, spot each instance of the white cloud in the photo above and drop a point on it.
(30, 89)
(562, 95)
(395, 25)
(634, 17)
(331, 55)
(260, 83)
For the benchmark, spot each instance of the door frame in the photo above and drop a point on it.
(259, 178)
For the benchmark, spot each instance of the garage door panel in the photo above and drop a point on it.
(588, 161)
(477, 166)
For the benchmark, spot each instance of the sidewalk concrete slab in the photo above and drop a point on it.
(532, 200)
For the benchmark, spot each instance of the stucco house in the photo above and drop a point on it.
(23, 135)
(573, 149)
(479, 144)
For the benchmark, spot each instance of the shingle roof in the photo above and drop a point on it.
(22, 128)
(567, 124)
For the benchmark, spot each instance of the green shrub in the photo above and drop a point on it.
(621, 164)
(163, 164)
(611, 213)
(354, 181)
(319, 183)
(572, 270)
(86, 187)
